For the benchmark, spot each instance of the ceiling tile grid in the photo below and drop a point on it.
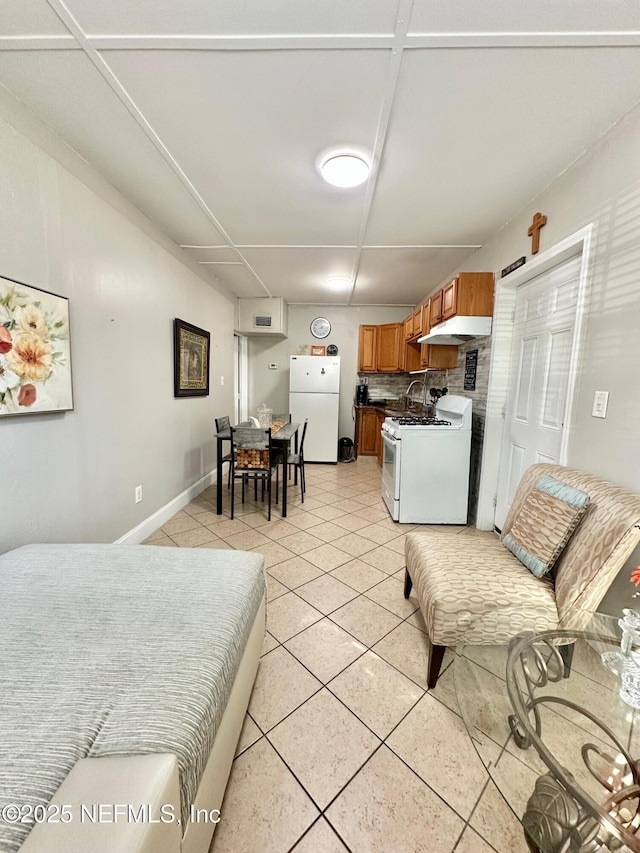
(235, 17)
(212, 117)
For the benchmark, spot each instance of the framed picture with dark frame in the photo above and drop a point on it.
(190, 360)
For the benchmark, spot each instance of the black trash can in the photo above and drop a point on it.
(345, 450)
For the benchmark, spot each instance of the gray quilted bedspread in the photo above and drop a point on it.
(115, 649)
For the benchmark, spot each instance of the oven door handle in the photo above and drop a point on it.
(389, 439)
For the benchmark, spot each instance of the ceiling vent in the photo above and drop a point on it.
(262, 316)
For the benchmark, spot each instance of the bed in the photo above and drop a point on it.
(126, 675)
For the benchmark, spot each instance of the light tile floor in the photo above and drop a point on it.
(342, 747)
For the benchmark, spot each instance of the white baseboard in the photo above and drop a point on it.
(139, 533)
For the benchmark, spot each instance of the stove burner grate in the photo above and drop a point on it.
(423, 422)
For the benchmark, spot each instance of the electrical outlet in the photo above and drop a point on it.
(138, 494)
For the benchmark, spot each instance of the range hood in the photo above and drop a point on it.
(457, 331)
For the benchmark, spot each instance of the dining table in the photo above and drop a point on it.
(560, 741)
(282, 438)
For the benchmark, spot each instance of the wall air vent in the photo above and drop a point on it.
(262, 315)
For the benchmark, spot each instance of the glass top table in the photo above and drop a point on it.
(559, 743)
(282, 437)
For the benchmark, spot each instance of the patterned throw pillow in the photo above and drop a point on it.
(544, 525)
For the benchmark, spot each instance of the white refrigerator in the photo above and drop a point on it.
(314, 393)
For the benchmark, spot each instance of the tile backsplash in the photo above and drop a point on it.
(455, 376)
(394, 385)
(455, 383)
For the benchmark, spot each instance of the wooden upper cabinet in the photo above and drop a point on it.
(426, 317)
(474, 294)
(417, 322)
(412, 356)
(470, 294)
(435, 313)
(389, 340)
(450, 299)
(368, 349)
(407, 328)
(438, 356)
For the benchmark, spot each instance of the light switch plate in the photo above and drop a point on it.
(273, 365)
(600, 403)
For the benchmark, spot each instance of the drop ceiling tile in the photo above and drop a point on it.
(65, 90)
(401, 276)
(476, 134)
(521, 16)
(301, 274)
(220, 254)
(30, 18)
(251, 144)
(229, 17)
(238, 279)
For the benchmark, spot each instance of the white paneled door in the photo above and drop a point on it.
(541, 361)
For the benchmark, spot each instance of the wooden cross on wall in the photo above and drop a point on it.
(539, 221)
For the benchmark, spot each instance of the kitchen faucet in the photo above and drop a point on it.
(424, 391)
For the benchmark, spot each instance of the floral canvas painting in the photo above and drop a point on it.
(35, 354)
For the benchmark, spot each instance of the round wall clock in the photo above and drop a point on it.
(320, 327)
(332, 349)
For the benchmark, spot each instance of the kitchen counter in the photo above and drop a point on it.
(368, 422)
(391, 412)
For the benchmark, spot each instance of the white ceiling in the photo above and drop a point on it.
(211, 116)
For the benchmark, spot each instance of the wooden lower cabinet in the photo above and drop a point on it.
(379, 442)
(367, 432)
(368, 426)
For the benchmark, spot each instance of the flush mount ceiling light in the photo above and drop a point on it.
(338, 283)
(345, 170)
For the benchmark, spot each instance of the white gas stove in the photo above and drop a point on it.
(394, 426)
(425, 470)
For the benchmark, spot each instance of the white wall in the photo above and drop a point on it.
(272, 386)
(602, 188)
(71, 477)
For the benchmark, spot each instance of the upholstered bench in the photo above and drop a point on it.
(472, 585)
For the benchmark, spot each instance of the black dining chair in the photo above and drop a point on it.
(296, 461)
(221, 425)
(283, 418)
(252, 459)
